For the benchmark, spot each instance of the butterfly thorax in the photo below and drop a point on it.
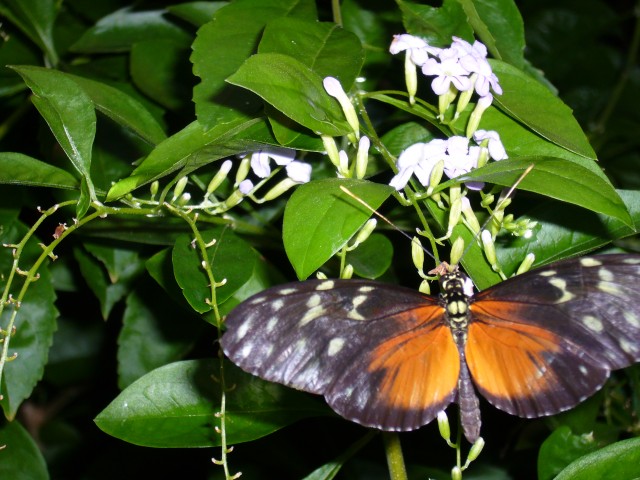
(456, 304)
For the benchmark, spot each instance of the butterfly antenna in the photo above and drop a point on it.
(379, 215)
(498, 206)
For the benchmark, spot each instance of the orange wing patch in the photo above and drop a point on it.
(421, 367)
(511, 363)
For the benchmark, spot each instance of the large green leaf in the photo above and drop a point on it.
(535, 106)
(555, 178)
(223, 44)
(320, 219)
(294, 89)
(35, 322)
(155, 331)
(71, 116)
(619, 460)
(19, 169)
(232, 260)
(22, 459)
(325, 48)
(175, 406)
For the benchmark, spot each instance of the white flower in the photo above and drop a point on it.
(448, 71)
(418, 159)
(494, 145)
(299, 172)
(417, 49)
(474, 59)
(260, 159)
(245, 187)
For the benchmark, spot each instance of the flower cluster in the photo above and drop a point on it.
(454, 157)
(462, 67)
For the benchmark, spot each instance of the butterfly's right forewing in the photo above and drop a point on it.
(381, 355)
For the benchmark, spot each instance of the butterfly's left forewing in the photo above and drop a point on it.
(542, 342)
(381, 355)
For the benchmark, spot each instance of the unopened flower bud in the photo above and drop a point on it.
(475, 449)
(476, 115)
(219, 177)
(347, 273)
(526, 263)
(417, 253)
(243, 169)
(362, 157)
(331, 148)
(364, 233)
(334, 88)
(443, 425)
(457, 249)
(425, 287)
(489, 249)
(180, 184)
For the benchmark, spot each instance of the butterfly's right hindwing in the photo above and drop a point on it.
(369, 348)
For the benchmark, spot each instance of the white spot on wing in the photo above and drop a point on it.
(632, 319)
(314, 300)
(311, 315)
(359, 300)
(326, 285)
(610, 288)
(605, 275)
(547, 273)
(243, 329)
(561, 284)
(366, 289)
(335, 345)
(590, 262)
(583, 370)
(287, 291)
(271, 324)
(593, 323)
(632, 261)
(245, 351)
(627, 346)
(256, 300)
(277, 304)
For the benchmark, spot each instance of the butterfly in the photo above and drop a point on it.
(391, 358)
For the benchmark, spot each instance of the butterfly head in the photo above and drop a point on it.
(455, 283)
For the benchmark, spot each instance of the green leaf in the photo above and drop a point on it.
(196, 13)
(373, 257)
(325, 48)
(19, 169)
(35, 18)
(436, 25)
(174, 407)
(160, 68)
(619, 460)
(70, 114)
(190, 148)
(283, 81)
(238, 27)
(567, 231)
(118, 31)
(35, 323)
(109, 272)
(155, 332)
(555, 178)
(560, 449)
(122, 109)
(22, 459)
(498, 24)
(231, 259)
(535, 106)
(319, 219)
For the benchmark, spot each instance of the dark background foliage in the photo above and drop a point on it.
(582, 48)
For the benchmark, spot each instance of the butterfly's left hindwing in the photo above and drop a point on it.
(381, 355)
(543, 341)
